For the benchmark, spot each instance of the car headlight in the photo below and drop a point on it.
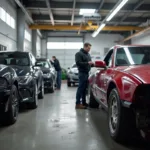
(47, 75)
(3, 83)
(23, 79)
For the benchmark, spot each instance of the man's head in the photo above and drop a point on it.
(54, 58)
(87, 47)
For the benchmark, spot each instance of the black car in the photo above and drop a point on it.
(30, 77)
(49, 73)
(9, 101)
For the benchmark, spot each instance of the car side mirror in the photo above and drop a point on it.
(100, 64)
(68, 68)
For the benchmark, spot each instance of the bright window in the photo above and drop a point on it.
(27, 36)
(3, 14)
(8, 19)
(12, 22)
(64, 45)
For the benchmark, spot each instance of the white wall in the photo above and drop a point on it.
(98, 43)
(8, 36)
(27, 43)
(38, 46)
(143, 39)
(102, 41)
(43, 48)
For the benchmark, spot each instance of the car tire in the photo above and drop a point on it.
(68, 83)
(51, 89)
(10, 117)
(120, 119)
(41, 94)
(92, 101)
(34, 104)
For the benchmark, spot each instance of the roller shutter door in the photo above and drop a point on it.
(65, 54)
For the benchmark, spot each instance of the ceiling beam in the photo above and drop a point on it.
(90, 28)
(136, 34)
(101, 5)
(79, 5)
(64, 17)
(50, 12)
(72, 18)
(139, 3)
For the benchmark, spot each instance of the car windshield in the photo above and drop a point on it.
(133, 56)
(42, 64)
(14, 58)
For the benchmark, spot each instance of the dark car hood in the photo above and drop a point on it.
(22, 70)
(142, 72)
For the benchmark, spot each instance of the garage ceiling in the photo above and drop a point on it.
(66, 12)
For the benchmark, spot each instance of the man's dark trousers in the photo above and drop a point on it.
(81, 92)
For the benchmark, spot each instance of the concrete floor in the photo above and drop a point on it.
(56, 125)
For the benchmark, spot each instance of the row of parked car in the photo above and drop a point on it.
(23, 79)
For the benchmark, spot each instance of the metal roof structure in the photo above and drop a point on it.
(66, 12)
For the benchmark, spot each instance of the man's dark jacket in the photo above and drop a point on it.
(82, 58)
(56, 65)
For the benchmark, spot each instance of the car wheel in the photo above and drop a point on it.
(34, 104)
(68, 83)
(41, 94)
(10, 117)
(92, 101)
(52, 89)
(120, 119)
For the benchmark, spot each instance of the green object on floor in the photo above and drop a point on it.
(64, 74)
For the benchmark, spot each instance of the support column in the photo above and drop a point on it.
(34, 40)
(20, 29)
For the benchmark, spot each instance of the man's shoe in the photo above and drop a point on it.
(79, 106)
(86, 105)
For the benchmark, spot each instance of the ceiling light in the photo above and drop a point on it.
(98, 30)
(86, 11)
(116, 10)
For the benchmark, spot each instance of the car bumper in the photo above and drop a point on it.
(4, 95)
(48, 83)
(25, 92)
(73, 78)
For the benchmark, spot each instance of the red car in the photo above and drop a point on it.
(121, 85)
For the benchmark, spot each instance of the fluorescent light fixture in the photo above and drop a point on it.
(98, 30)
(86, 11)
(116, 10)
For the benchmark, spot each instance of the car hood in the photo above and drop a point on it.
(74, 70)
(142, 72)
(22, 70)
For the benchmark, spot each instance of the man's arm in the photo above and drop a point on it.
(79, 61)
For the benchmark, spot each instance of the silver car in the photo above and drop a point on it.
(72, 75)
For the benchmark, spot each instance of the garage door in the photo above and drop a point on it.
(64, 49)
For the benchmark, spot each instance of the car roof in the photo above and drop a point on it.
(42, 59)
(132, 45)
(8, 51)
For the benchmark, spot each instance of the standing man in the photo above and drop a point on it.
(84, 63)
(57, 67)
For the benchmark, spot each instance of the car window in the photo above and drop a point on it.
(44, 64)
(121, 58)
(108, 58)
(14, 58)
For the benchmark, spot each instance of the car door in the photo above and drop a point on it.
(102, 77)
